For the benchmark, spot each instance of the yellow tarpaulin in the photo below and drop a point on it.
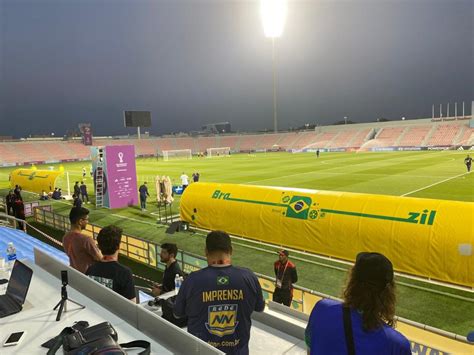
(35, 180)
(426, 237)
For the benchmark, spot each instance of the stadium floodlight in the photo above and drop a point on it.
(273, 14)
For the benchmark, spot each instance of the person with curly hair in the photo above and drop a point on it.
(364, 322)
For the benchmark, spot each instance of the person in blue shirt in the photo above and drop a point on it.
(219, 299)
(369, 300)
(143, 189)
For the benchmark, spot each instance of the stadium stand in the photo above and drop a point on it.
(444, 135)
(364, 136)
(342, 138)
(229, 141)
(203, 143)
(304, 139)
(186, 143)
(248, 143)
(387, 136)
(288, 140)
(360, 137)
(167, 144)
(269, 141)
(466, 136)
(414, 136)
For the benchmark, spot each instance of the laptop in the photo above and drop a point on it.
(12, 301)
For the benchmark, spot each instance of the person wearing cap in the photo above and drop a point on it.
(286, 276)
(220, 298)
(364, 322)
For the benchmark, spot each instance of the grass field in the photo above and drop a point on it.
(432, 174)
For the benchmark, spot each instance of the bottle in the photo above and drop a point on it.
(11, 254)
(177, 283)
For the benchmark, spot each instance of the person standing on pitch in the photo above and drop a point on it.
(286, 276)
(143, 189)
(77, 189)
(468, 162)
(84, 194)
(363, 323)
(184, 181)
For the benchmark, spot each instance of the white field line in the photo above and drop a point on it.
(368, 164)
(436, 183)
(345, 173)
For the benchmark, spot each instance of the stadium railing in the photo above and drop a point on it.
(147, 252)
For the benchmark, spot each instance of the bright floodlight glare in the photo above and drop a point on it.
(273, 14)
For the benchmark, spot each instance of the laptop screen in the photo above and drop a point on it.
(19, 282)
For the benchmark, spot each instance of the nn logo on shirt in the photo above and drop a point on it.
(222, 319)
(222, 280)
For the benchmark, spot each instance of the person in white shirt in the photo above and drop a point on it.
(184, 180)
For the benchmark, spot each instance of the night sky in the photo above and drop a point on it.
(192, 62)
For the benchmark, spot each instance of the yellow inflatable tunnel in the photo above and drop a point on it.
(425, 237)
(34, 180)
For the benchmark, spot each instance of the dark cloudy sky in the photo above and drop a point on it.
(193, 62)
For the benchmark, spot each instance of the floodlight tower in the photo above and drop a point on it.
(273, 14)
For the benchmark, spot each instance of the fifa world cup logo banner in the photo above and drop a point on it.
(425, 237)
(118, 173)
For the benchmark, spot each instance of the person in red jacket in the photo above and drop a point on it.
(286, 276)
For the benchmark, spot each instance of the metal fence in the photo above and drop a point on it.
(148, 253)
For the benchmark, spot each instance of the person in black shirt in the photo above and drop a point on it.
(76, 201)
(10, 202)
(108, 271)
(285, 277)
(17, 192)
(468, 162)
(84, 194)
(168, 256)
(143, 190)
(77, 189)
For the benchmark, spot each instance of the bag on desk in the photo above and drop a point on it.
(99, 339)
(167, 309)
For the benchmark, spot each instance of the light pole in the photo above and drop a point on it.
(273, 14)
(345, 119)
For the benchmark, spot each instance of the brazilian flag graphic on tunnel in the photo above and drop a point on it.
(298, 207)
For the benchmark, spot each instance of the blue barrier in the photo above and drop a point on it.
(24, 245)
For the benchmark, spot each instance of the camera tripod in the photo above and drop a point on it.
(62, 304)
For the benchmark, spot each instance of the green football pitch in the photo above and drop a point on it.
(429, 174)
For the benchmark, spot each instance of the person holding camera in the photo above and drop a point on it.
(109, 272)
